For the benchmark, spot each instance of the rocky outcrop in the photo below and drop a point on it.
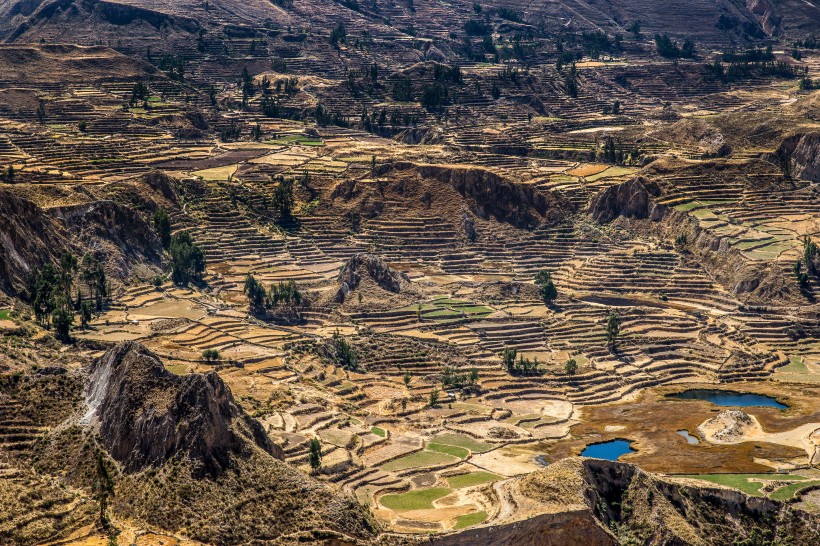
(147, 415)
(632, 199)
(28, 239)
(521, 205)
(119, 233)
(373, 266)
(802, 152)
(766, 13)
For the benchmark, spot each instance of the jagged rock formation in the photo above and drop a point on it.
(494, 196)
(31, 236)
(28, 239)
(803, 154)
(590, 501)
(375, 267)
(147, 415)
(632, 199)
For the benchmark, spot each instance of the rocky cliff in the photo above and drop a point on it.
(802, 152)
(28, 239)
(147, 415)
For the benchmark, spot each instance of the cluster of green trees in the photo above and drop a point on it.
(325, 117)
(140, 93)
(810, 42)
(50, 291)
(338, 35)
(283, 197)
(671, 50)
(741, 70)
(516, 364)
(371, 121)
(173, 66)
(187, 259)
(279, 295)
(807, 84)
(613, 152)
(211, 355)
(343, 353)
(543, 280)
(452, 378)
(571, 81)
(230, 133)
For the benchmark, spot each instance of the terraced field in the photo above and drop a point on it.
(416, 245)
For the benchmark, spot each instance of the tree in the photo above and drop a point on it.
(809, 252)
(343, 353)
(85, 314)
(434, 394)
(571, 82)
(613, 327)
(315, 456)
(283, 199)
(62, 319)
(473, 376)
(41, 111)
(508, 358)
(407, 378)
(162, 225)
(256, 295)
(571, 367)
(338, 35)
(187, 260)
(543, 279)
(211, 355)
(103, 489)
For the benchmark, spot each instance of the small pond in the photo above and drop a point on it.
(689, 438)
(610, 451)
(729, 398)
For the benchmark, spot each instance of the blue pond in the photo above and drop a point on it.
(610, 451)
(729, 398)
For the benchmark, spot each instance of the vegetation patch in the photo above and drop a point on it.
(419, 459)
(379, 432)
(468, 520)
(461, 440)
(420, 499)
(459, 452)
(788, 491)
(472, 478)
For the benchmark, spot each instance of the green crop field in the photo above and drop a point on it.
(472, 478)
(468, 520)
(459, 452)
(420, 499)
(464, 441)
(419, 459)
